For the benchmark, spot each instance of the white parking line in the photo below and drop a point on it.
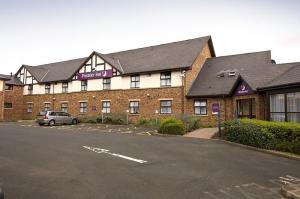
(99, 150)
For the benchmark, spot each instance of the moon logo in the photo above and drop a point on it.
(243, 87)
(104, 73)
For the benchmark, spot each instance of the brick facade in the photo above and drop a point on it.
(1, 105)
(14, 96)
(149, 101)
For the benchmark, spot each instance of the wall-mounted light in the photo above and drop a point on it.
(54, 98)
(148, 95)
(94, 96)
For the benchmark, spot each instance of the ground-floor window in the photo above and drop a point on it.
(29, 107)
(83, 107)
(8, 105)
(166, 106)
(285, 107)
(200, 107)
(47, 106)
(106, 107)
(64, 107)
(246, 108)
(134, 107)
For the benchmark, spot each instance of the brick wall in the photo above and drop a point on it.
(15, 97)
(149, 101)
(1, 105)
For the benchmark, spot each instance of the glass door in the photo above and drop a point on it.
(246, 108)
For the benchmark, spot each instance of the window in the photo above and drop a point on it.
(30, 89)
(84, 85)
(65, 86)
(7, 105)
(47, 106)
(105, 107)
(134, 107)
(200, 107)
(165, 106)
(83, 107)
(47, 88)
(8, 87)
(165, 79)
(135, 81)
(246, 108)
(106, 83)
(285, 107)
(29, 107)
(64, 107)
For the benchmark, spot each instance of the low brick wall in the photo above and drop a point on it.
(15, 97)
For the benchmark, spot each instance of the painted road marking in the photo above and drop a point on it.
(99, 150)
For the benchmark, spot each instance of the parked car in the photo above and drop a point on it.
(52, 118)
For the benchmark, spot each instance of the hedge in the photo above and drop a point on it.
(282, 136)
(172, 126)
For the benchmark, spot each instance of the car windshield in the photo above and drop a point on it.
(43, 113)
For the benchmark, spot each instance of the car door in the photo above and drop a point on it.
(68, 118)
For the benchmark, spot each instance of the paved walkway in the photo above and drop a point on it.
(204, 133)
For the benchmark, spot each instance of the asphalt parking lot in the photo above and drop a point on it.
(98, 161)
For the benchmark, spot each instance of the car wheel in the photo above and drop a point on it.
(41, 124)
(52, 123)
(74, 121)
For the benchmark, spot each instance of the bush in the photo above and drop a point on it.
(172, 126)
(148, 123)
(114, 118)
(281, 136)
(191, 123)
(88, 119)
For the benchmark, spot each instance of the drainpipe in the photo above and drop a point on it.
(183, 82)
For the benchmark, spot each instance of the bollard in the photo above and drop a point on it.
(1, 194)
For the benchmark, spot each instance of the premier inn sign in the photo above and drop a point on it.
(243, 89)
(95, 75)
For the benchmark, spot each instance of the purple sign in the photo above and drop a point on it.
(95, 75)
(215, 108)
(243, 89)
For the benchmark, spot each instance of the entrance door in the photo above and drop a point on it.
(246, 108)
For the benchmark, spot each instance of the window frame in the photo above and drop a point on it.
(47, 88)
(84, 85)
(106, 108)
(166, 79)
(29, 107)
(65, 107)
(64, 89)
(106, 85)
(133, 109)
(10, 107)
(30, 89)
(83, 109)
(47, 108)
(135, 81)
(200, 100)
(161, 107)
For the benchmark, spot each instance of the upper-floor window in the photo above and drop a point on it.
(30, 89)
(8, 87)
(47, 88)
(47, 106)
(65, 86)
(64, 107)
(83, 107)
(106, 83)
(200, 107)
(135, 81)
(134, 107)
(29, 107)
(8, 105)
(106, 107)
(84, 85)
(165, 79)
(165, 106)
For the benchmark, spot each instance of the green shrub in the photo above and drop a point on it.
(148, 123)
(88, 119)
(172, 126)
(281, 136)
(191, 123)
(114, 118)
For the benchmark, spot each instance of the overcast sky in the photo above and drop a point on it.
(37, 31)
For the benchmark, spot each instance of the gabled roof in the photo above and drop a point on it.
(255, 68)
(289, 77)
(11, 79)
(176, 55)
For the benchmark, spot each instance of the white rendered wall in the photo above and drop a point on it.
(1, 85)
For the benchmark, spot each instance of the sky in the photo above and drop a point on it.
(35, 32)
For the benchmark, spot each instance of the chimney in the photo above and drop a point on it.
(11, 74)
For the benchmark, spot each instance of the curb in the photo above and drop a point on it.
(290, 191)
(272, 152)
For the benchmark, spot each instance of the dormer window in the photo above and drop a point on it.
(231, 74)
